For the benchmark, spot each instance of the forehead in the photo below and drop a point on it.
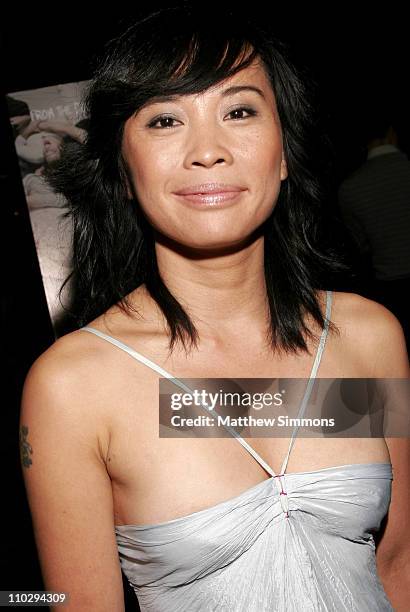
(254, 75)
(252, 78)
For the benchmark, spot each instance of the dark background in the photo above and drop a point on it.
(356, 64)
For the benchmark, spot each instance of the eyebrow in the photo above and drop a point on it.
(237, 88)
(226, 92)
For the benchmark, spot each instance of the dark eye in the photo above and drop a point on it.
(239, 112)
(165, 122)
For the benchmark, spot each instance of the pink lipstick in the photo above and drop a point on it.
(210, 194)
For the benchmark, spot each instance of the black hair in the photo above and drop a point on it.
(183, 50)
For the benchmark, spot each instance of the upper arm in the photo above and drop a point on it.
(394, 545)
(69, 490)
(391, 361)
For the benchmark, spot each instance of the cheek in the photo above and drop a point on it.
(261, 151)
(151, 169)
(267, 154)
(264, 164)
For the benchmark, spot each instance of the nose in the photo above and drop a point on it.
(206, 147)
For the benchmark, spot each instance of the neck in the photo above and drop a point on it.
(224, 294)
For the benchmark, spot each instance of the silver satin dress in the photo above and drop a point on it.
(296, 542)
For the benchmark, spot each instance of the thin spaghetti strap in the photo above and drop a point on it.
(323, 337)
(130, 351)
(312, 377)
(179, 383)
(151, 364)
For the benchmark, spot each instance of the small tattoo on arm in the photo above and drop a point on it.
(25, 447)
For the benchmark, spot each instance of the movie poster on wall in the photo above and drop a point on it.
(43, 121)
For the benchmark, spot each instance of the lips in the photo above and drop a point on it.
(209, 189)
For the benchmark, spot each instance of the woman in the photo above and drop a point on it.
(203, 148)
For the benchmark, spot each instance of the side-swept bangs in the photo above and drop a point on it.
(181, 51)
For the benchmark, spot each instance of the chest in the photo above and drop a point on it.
(157, 478)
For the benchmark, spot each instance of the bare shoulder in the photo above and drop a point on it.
(83, 375)
(80, 360)
(65, 384)
(368, 320)
(67, 365)
(373, 331)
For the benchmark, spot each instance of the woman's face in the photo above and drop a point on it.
(224, 143)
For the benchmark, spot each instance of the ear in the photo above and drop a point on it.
(283, 169)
